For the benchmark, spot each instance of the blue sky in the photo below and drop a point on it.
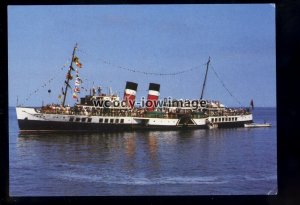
(240, 39)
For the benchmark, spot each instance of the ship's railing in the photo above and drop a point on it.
(117, 113)
(228, 112)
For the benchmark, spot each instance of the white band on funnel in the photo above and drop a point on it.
(130, 92)
(153, 92)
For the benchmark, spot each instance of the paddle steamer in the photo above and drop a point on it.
(100, 112)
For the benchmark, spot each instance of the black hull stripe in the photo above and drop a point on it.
(34, 125)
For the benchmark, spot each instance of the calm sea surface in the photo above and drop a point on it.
(199, 162)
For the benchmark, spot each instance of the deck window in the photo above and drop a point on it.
(71, 119)
(100, 120)
(89, 119)
(77, 119)
(83, 119)
(117, 120)
(212, 119)
(229, 119)
(122, 121)
(106, 121)
(111, 121)
(235, 118)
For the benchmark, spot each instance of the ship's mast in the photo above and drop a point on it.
(68, 76)
(202, 92)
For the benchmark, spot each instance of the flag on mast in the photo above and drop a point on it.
(76, 60)
(252, 104)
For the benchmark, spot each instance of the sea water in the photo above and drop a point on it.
(238, 161)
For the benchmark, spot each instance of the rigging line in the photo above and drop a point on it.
(45, 83)
(144, 72)
(223, 84)
(150, 73)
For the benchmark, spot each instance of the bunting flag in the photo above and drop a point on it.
(74, 96)
(77, 89)
(78, 64)
(76, 61)
(79, 79)
(59, 97)
(69, 76)
(77, 83)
